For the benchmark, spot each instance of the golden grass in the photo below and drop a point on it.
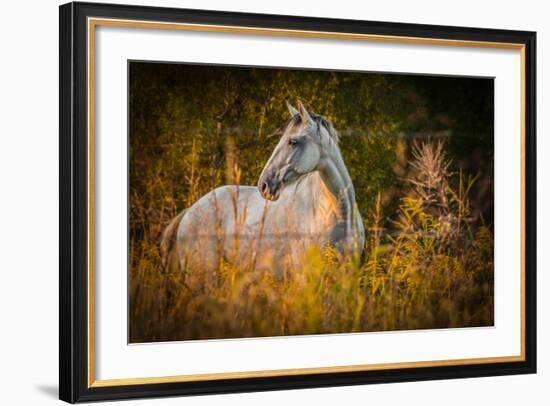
(432, 269)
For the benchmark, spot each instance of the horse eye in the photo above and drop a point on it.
(292, 141)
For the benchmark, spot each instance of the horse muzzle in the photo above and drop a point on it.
(269, 188)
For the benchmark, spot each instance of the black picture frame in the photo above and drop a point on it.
(73, 255)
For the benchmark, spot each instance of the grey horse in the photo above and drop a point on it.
(304, 198)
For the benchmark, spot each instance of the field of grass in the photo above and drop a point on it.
(428, 266)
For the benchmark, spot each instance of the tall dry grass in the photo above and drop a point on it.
(432, 268)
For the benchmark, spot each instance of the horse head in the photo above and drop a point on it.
(300, 151)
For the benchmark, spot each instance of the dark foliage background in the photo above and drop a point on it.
(190, 125)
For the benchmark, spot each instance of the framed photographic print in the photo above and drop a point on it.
(257, 202)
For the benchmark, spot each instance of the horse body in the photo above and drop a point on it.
(304, 198)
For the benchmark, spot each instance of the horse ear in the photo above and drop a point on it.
(291, 109)
(306, 118)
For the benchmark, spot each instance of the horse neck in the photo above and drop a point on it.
(337, 180)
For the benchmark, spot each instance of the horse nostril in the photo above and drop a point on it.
(264, 187)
